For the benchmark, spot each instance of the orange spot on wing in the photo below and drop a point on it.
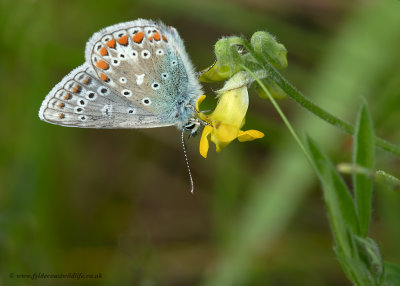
(104, 77)
(103, 51)
(102, 65)
(111, 43)
(61, 116)
(123, 40)
(61, 105)
(151, 38)
(87, 80)
(164, 38)
(157, 36)
(76, 89)
(138, 38)
(68, 96)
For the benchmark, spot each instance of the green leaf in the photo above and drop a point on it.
(388, 180)
(359, 257)
(363, 155)
(342, 214)
(369, 253)
(392, 274)
(354, 269)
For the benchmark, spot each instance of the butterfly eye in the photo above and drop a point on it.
(131, 111)
(134, 53)
(122, 80)
(174, 63)
(146, 101)
(159, 52)
(190, 126)
(122, 56)
(115, 62)
(164, 75)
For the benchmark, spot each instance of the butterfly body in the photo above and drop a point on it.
(136, 75)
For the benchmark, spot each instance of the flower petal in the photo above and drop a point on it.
(249, 135)
(199, 101)
(204, 141)
(224, 133)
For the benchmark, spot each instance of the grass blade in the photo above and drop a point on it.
(336, 194)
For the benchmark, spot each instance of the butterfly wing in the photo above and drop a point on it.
(145, 72)
(146, 62)
(82, 100)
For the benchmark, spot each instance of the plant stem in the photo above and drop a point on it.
(282, 115)
(297, 96)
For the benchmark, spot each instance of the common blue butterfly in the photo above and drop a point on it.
(136, 75)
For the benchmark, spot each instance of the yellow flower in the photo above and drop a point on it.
(226, 120)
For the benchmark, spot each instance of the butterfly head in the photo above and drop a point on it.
(193, 126)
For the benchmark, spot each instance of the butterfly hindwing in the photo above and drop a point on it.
(82, 100)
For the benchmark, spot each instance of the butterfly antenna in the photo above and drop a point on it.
(187, 164)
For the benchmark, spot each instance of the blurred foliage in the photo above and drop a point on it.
(117, 202)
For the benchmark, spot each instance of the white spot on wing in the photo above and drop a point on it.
(145, 54)
(82, 118)
(78, 109)
(103, 90)
(82, 102)
(139, 79)
(155, 85)
(107, 110)
(126, 92)
(146, 101)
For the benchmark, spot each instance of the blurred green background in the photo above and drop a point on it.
(117, 202)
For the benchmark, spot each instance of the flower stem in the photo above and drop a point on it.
(297, 96)
(282, 115)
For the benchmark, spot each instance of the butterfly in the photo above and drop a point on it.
(136, 75)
